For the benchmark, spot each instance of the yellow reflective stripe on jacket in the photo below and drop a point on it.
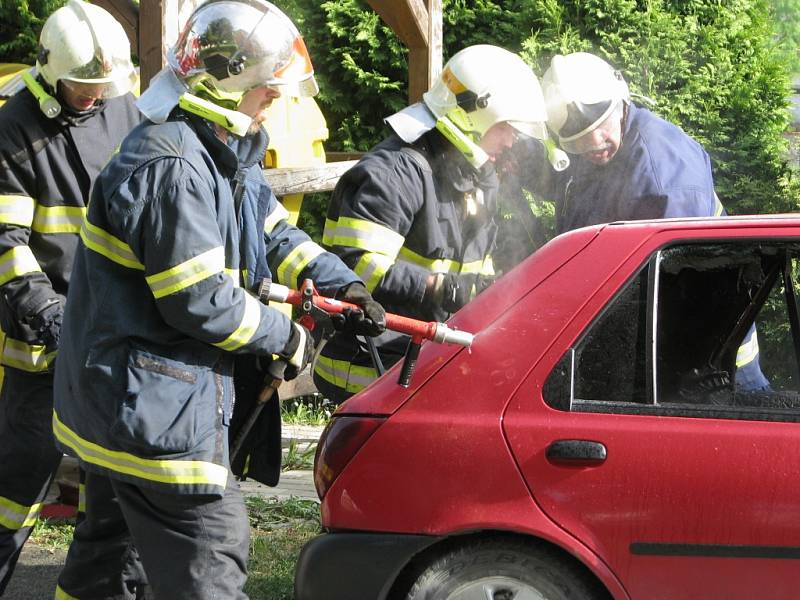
(479, 267)
(16, 210)
(26, 357)
(366, 235)
(187, 273)
(176, 472)
(62, 595)
(58, 219)
(234, 275)
(292, 266)
(372, 267)
(747, 351)
(718, 208)
(446, 265)
(82, 497)
(247, 327)
(109, 246)
(275, 217)
(434, 265)
(17, 261)
(16, 516)
(329, 232)
(343, 374)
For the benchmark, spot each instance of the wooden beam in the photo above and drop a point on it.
(151, 36)
(304, 180)
(407, 18)
(418, 24)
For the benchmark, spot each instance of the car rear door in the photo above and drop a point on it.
(630, 437)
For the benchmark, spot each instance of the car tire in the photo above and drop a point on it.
(504, 570)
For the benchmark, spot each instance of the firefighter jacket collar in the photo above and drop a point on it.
(161, 96)
(237, 154)
(412, 122)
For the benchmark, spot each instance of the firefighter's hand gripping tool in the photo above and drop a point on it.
(315, 308)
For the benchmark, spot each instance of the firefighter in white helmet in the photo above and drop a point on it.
(180, 234)
(627, 163)
(416, 217)
(56, 133)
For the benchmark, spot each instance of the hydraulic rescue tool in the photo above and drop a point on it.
(317, 310)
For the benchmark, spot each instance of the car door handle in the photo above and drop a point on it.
(576, 452)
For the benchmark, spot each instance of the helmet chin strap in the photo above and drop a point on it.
(474, 154)
(232, 120)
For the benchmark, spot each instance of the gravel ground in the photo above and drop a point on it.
(36, 574)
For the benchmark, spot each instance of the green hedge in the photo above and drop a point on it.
(712, 67)
(20, 24)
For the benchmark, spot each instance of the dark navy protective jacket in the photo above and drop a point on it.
(404, 212)
(659, 172)
(46, 169)
(180, 230)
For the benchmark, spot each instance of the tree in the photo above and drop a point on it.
(20, 24)
(711, 67)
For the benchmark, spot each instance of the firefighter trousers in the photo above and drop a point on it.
(190, 546)
(28, 460)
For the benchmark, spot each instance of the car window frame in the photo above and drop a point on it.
(673, 409)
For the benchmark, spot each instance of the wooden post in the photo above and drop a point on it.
(159, 25)
(418, 24)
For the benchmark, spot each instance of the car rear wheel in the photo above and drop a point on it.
(503, 570)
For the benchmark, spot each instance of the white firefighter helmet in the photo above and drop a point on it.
(229, 47)
(483, 85)
(82, 43)
(581, 91)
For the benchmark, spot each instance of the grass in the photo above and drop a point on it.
(299, 456)
(53, 534)
(314, 409)
(278, 530)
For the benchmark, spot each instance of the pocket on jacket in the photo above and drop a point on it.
(169, 407)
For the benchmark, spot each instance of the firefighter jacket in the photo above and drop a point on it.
(658, 172)
(46, 169)
(402, 213)
(181, 228)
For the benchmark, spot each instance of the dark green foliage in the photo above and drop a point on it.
(20, 24)
(786, 19)
(711, 67)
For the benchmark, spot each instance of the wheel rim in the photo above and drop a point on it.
(495, 588)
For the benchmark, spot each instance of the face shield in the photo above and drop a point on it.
(597, 137)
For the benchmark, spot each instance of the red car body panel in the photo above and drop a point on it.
(463, 448)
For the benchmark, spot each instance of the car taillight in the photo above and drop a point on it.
(340, 441)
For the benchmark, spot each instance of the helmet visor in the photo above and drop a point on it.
(296, 77)
(530, 129)
(102, 89)
(597, 138)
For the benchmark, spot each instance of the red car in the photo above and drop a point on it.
(592, 443)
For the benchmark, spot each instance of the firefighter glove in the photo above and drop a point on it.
(298, 351)
(450, 291)
(47, 324)
(370, 320)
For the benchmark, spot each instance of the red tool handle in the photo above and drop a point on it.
(420, 330)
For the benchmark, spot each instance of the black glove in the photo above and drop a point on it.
(47, 324)
(450, 291)
(370, 320)
(298, 351)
